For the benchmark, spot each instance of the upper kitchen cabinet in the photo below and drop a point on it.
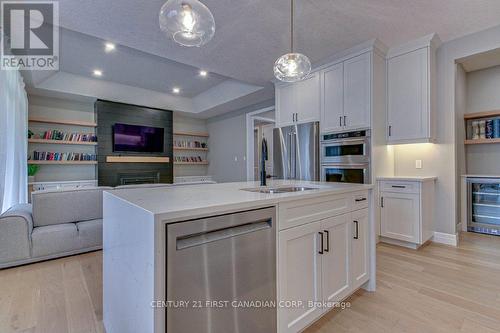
(298, 102)
(357, 85)
(411, 91)
(332, 112)
(347, 95)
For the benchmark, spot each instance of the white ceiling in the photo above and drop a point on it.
(250, 35)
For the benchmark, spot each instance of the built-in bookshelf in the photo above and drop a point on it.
(188, 143)
(63, 122)
(43, 162)
(69, 137)
(62, 142)
(187, 148)
(482, 127)
(192, 163)
(195, 134)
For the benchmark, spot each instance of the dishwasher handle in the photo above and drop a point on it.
(198, 239)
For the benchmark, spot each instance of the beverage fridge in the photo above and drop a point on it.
(483, 201)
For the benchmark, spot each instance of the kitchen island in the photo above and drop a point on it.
(234, 257)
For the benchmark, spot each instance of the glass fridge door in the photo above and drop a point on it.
(484, 196)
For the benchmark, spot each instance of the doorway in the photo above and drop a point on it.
(260, 125)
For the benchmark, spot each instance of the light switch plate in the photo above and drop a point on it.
(418, 164)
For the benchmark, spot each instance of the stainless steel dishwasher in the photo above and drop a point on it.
(221, 274)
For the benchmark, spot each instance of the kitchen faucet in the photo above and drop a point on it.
(263, 160)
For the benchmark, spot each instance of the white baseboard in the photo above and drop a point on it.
(443, 238)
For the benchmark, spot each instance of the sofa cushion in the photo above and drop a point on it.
(53, 239)
(67, 206)
(90, 233)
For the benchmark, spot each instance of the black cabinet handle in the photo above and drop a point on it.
(296, 117)
(356, 223)
(398, 186)
(382, 202)
(345, 120)
(327, 240)
(390, 130)
(340, 121)
(321, 235)
(360, 199)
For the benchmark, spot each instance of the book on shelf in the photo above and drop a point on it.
(65, 136)
(57, 156)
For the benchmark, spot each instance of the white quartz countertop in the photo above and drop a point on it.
(175, 202)
(409, 178)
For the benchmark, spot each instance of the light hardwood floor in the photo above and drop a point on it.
(436, 289)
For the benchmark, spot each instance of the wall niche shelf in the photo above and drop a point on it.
(63, 122)
(200, 134)
(481, 141)
(469, 118)
(192, 163)
(43, 162)
(479, 115)
(63, 142)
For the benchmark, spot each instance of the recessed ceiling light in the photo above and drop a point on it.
(108, 47)
(176, 90)
(97, 72)
(203, 73)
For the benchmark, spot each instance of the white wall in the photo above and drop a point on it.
(440, 159)
(183, 123)
(54, 108)
(460, 110)
(227, 144)
(483, 94)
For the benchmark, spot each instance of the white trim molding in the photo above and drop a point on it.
(444, 238)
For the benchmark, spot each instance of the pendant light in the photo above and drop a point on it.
(189, 22)
(292, 66)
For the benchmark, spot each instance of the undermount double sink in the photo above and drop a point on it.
(280, 189)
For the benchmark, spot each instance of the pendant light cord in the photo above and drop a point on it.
(291, 25)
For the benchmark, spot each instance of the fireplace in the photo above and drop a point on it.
(143, 177)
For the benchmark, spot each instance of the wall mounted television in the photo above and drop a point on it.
(134, 138)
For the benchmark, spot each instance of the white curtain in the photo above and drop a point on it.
(13, 140)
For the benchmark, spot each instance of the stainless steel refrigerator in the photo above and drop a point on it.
(296, 152)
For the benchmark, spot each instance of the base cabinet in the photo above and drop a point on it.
(299, 275)
(360, 263)
(321, 261)
(407, 211)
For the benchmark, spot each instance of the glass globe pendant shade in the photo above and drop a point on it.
(292, 67)
(189, 22)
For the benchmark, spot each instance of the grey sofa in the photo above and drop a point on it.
(55, 224)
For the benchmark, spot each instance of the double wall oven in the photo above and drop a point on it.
(345, 157)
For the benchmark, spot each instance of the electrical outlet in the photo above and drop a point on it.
(418, 164)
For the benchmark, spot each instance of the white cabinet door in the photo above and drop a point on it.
(400, 216)
(360, 265)
(357, 92)
(408, 96)
(286, 104)
(308, 94)
(299, 275)
(337, 242)
(332, 110)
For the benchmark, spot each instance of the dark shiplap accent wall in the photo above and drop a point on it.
(110, 113)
